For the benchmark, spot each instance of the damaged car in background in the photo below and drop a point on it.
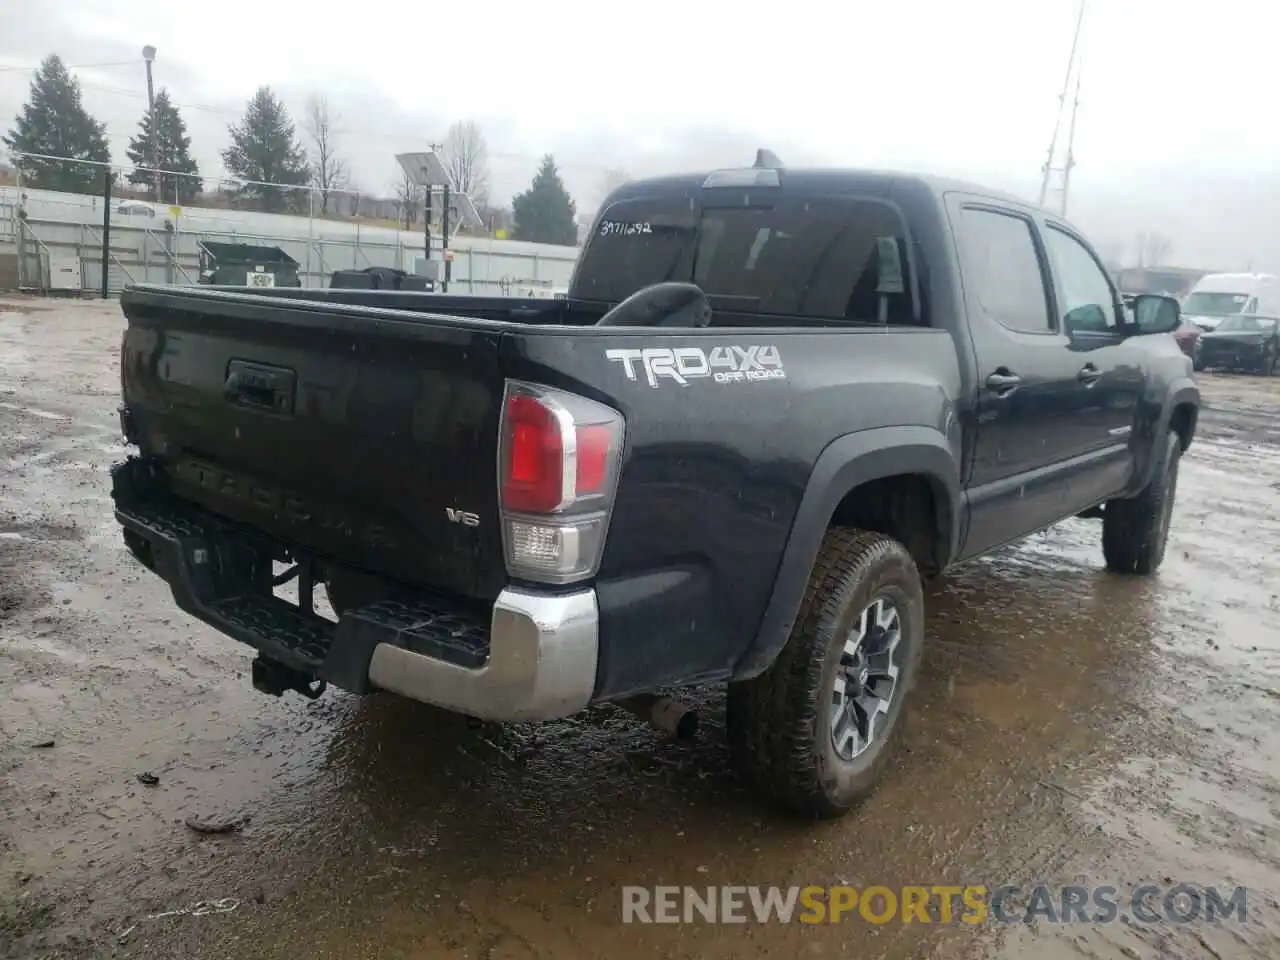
(1241, 343)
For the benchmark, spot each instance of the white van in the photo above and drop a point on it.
(1218, 295)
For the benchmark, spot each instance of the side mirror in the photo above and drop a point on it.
(1153, 313)
(1089, 318)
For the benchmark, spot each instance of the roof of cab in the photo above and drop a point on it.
(875, 182)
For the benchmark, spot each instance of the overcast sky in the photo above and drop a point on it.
(1178, 129)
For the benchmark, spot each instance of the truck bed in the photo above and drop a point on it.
(367, 437)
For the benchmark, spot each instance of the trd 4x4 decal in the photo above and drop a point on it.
(722, 364)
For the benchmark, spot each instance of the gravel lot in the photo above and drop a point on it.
(1072, 727)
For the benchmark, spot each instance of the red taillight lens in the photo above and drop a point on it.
(595, 450)
(534, 478)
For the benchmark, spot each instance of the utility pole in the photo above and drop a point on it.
(1063, 172)
(1071, 140)
(444, 240)
(426, 214)
(149, 56)
(106, 230)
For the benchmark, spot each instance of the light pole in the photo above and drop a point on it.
(149, 56)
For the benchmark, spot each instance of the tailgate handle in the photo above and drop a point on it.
(260, 386)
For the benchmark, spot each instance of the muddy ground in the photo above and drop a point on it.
(1071, 727)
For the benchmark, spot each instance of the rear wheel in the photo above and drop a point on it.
(1135, 532)
(817, 728)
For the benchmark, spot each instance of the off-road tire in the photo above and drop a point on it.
(1136, 531)
(779, 722)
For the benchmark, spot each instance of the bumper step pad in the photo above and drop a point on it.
(221, 575)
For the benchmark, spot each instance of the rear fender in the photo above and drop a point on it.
(845, 464)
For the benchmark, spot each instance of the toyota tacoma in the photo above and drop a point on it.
(772, 401)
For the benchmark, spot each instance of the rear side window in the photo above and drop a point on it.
(832, 259)
(1002, 268)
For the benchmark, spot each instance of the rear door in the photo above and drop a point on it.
(1027, 409)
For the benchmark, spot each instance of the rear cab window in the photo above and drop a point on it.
(826, 259)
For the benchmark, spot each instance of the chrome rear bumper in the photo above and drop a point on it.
(542, 662)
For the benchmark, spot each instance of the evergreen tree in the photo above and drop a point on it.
(172, 155)
(545, 213)
(265, 147)
(55, 123)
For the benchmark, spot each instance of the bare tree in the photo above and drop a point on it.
(611, 180)
(466, 159)
(1153, 249)
(1111, 252)
(328, 172)
(355, 200)
(409, 200)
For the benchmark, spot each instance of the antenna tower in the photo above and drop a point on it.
(1059, 162)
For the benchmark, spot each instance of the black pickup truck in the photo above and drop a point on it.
(773, 400)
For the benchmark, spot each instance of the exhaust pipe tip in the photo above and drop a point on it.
(687, 726)
(665, 714)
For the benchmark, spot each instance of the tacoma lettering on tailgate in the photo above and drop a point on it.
(283, 504)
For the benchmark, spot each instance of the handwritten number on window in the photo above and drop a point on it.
(616, 228)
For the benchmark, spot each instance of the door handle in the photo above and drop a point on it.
(1003, 384)
(1088, 373)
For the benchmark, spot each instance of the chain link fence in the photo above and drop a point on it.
(60, 239)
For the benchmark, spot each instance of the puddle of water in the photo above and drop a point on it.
(32, 411)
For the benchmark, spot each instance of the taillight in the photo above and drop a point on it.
(558, 470)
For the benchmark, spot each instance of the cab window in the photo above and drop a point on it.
(1088, 299)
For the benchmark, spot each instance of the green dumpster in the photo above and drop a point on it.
(246, 265)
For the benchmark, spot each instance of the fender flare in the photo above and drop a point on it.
(846, 463)
(1181, 391)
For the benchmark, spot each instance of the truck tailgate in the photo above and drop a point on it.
(357, 434)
